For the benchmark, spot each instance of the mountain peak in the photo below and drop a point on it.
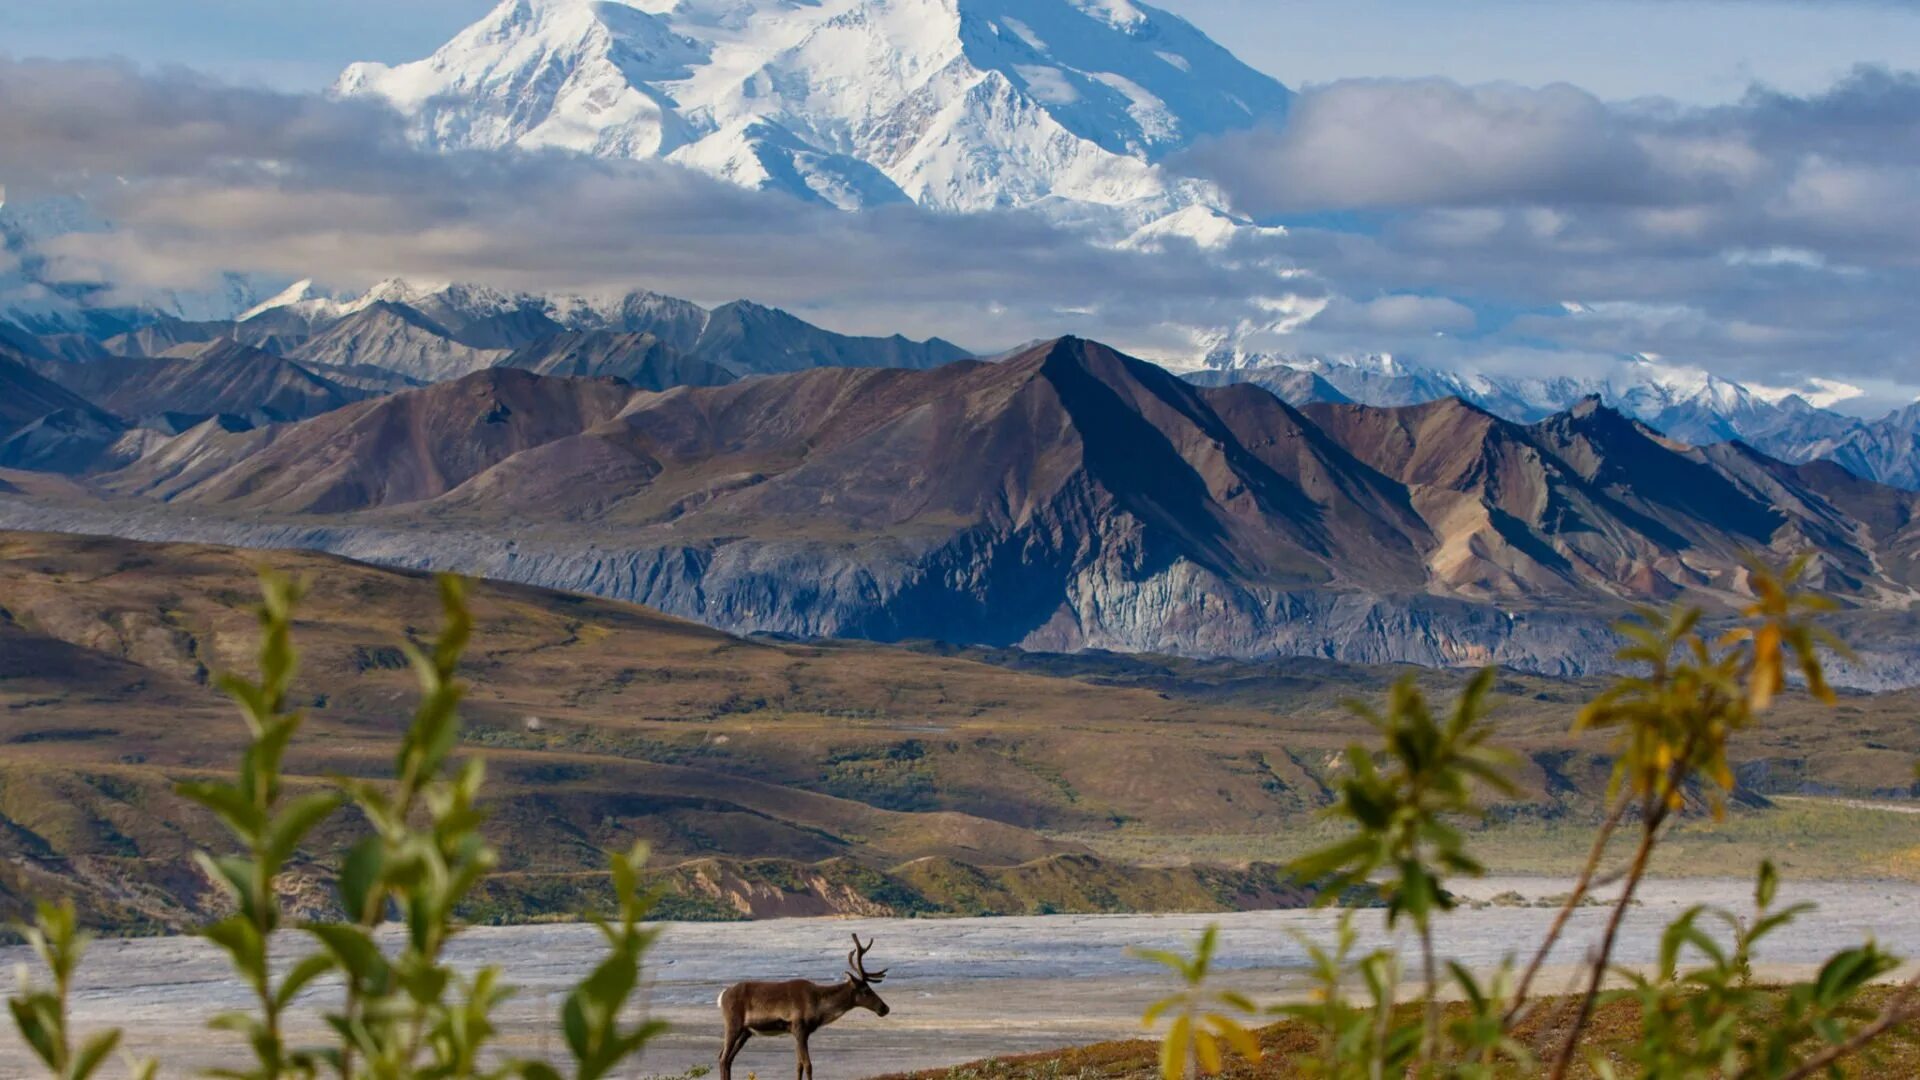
(300, 292)
(959, 104)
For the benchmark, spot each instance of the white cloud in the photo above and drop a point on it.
(1401, 314)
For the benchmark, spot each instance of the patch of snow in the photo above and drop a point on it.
(1120, 14)
(1024, 33)
(1050, 86)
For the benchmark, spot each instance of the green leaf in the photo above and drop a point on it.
(1767, 884)
(1159, 1008)
(300, 976)
(242, 942)
(1208, 1050)
(359, 875)
(229, 803)
(573, 1023)
(1162, 957)
(299, 818)
(232, 872)
(93, 1053)
(353, 949)
(37, 1017)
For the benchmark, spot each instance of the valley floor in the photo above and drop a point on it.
(963, 989)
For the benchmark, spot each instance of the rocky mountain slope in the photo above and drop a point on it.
(1887, 449)
(1104, 504)
(43, 425)
(192, 382)
(641, 359)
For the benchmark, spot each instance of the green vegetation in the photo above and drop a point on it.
(1613, 1035)
(404, 1012)
(1700, 1016)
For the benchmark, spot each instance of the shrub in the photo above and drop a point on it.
(1671, 722)
(403, 1012)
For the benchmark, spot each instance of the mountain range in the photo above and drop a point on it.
(1685, 403)
(86, 401)
(1065, 108)
(442, 331)
(422, 333)
(1103, 503)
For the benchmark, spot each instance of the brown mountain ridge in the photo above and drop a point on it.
(1065, 497)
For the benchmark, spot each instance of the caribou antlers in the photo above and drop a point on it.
(857, 966)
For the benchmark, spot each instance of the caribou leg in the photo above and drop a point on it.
(806, 1059)
(736, 1041)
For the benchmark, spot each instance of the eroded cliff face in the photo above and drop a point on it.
(978, 589)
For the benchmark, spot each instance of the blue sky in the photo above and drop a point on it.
(1692, 50)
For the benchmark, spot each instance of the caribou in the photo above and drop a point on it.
(798, 1007)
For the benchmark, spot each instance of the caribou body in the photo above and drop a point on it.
(797, 1007)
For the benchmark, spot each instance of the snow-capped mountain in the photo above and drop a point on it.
(1685, 403)
(955, 104)
(431, 332)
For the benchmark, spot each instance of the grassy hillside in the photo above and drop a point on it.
(772, 777)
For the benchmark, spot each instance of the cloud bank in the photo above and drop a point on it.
(1775, 240)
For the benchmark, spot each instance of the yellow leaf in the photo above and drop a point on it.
(1242, 1040)
(1173, 1052)
(1154, 1011)
(1209, 1052)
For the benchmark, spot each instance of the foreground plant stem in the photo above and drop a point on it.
(1430, 1035)
(1581, 886)
(1649, 836)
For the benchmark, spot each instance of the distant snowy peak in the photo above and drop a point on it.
(955, 104)
(456, 306)
(1685, 402)
(302, 297)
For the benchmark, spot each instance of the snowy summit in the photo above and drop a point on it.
(953, 104)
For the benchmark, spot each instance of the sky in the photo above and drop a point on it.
(1501, 184)
(1690, 50)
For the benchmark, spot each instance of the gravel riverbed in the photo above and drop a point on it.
(960, 989)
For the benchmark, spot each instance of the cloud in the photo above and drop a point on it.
(199, 178)
(1839, 171)
(1400, 314)
(1375, 143)
(1776, 239)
